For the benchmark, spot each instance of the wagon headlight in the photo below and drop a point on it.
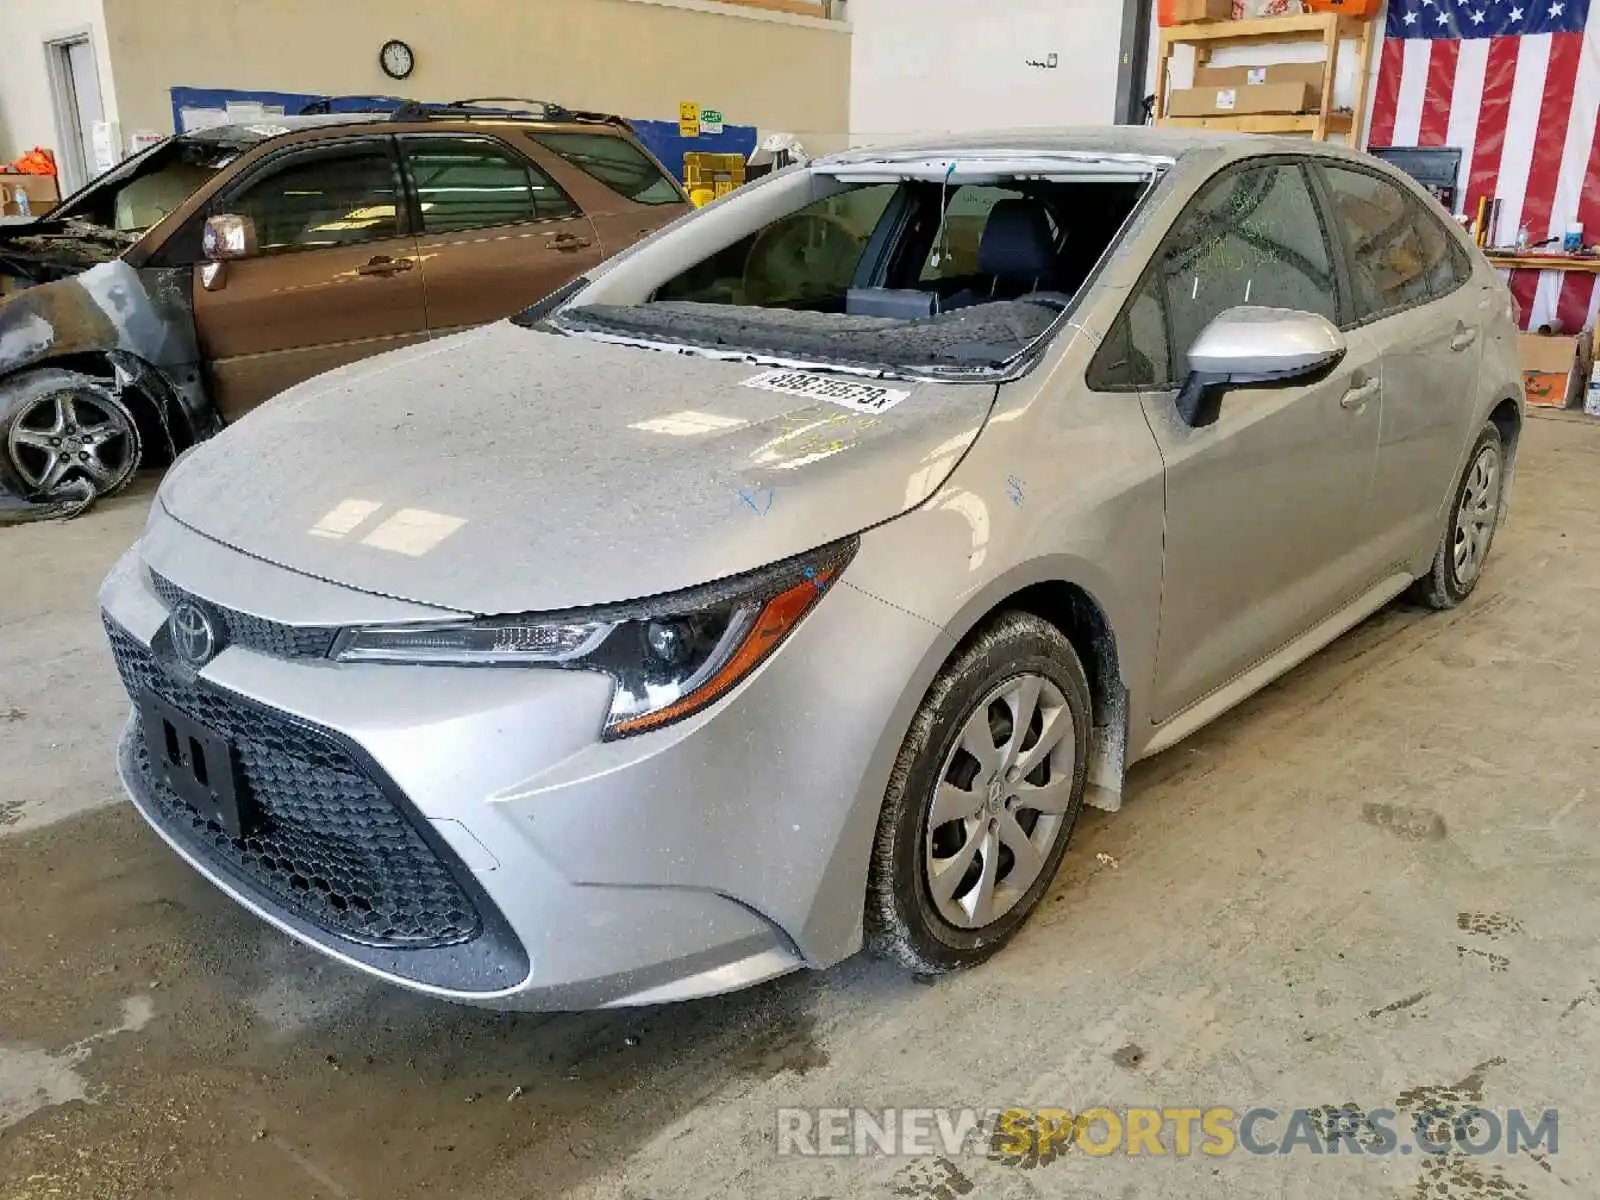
(670, 656)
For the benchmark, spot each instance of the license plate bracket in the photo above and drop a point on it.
(197, 763)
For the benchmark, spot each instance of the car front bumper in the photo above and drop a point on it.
(723, 850)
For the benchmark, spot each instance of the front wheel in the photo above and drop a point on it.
(63, 430)
(982, 800)
(1474, 514)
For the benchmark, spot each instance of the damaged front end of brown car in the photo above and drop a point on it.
(98, 368)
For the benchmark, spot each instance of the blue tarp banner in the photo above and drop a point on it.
(661, 139)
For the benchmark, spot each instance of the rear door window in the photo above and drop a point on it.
(340, 195)
(615, 162)
(1400, 254)
(475, 183)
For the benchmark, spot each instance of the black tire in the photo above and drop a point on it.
(28, 406)
(902, 920)
(1443, 588)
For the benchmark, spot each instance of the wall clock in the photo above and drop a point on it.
(396, 59)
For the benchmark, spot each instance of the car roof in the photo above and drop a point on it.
(1139, 140)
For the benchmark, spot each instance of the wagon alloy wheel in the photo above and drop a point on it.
(70, 435)
(1001, 801)
(1475, 518)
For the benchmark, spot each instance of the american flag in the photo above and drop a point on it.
(1516, 85)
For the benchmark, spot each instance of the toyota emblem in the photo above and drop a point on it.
(194, 636)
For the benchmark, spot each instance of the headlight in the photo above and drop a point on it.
(670, 657)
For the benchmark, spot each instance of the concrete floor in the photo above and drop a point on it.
(1375, 884)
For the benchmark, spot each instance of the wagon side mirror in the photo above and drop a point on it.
(227, 237)
(1248, 346)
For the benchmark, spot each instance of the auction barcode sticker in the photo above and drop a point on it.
(862, 397)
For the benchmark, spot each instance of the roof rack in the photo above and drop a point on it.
(323, 106)
(545, 108)
(502, 108)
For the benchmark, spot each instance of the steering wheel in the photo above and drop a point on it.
(801, 257)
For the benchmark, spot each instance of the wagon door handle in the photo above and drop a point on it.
(1464, 337)
(1358, 395)
(383, 265)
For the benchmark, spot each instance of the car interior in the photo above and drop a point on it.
(161, 181)
(917, 249)
(892, 274)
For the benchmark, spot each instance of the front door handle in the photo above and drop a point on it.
(383, 265)
(1358, 395)
(1464, 338)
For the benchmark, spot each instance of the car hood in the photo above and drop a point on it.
(46, 250)
(514, 470)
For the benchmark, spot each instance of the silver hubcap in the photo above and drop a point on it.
(1480, 505)
(70, 435)
(1001, 801)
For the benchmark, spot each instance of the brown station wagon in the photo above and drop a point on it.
(204, 276)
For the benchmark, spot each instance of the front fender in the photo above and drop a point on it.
(111, 307)
(140, 322)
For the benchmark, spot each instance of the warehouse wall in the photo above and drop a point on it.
(636, 57)
(27, 118)
(930, 66)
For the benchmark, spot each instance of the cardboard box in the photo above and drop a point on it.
(41, 190)
(1239, 101)
(1309, 74)
(1555, 370)
(1186, 12)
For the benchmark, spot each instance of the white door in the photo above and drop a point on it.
(78, 108)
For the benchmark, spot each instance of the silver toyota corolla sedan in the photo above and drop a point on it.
(786, 586)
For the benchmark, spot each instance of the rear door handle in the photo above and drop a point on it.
(1358, 395)
(1464, 338)
(384, 265)
(569, 241)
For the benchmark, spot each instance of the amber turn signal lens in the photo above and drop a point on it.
(777, 620)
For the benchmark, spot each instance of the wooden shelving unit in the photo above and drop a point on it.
(1534, 261)
(1331, 29)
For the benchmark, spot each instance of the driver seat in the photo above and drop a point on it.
(1017, 253)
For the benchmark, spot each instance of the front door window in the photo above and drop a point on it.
(1251, 237)
(339, 196)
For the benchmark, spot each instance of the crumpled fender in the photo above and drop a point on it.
(136, 317)
(111, 306)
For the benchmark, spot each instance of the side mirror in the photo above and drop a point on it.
(227, 237)
(1255, 346)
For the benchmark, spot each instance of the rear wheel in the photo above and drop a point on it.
(983, 799)
(1474, 514)
(61, 430)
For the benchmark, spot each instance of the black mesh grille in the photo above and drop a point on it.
(330, 846)
(254, 633)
